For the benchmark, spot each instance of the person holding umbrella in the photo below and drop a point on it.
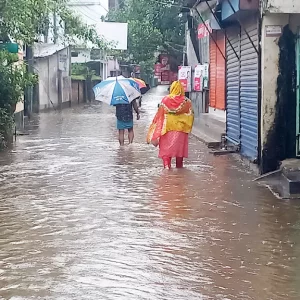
(124, 114)
(122, 93)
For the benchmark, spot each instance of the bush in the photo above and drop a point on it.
(13, 81)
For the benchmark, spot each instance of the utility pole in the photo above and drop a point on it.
(28, 96)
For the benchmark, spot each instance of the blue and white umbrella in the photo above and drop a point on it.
(117, 90)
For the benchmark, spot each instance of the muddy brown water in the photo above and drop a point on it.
(81, 218)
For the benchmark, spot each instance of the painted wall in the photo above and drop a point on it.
(280, 6)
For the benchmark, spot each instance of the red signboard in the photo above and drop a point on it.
(164, 60)
(202, 30)
(165, 77)
(157, 69)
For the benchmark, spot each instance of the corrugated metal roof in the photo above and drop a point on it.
(45, 50)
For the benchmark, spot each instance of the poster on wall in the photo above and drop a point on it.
(198, 78)
(201, 77)
(184, 76)
(205, 76)
(173, 76)
(204, 29)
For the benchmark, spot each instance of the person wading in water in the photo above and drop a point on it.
(171, 126)
(124, 114)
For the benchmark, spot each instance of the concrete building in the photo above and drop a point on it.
(205, 45)
(260, 40)
(52, 64)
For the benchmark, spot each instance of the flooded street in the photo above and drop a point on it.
(81, 218)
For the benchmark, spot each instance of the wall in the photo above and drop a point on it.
(280, 6)
(270, 56)
(83, 56)
(51, 70)
(270, 73)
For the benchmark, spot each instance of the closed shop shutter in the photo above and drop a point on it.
(249, 90)
(217, 71)
(220, 72)
(233, 129)
(212, 71)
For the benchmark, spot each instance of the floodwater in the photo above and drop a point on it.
(81, 218)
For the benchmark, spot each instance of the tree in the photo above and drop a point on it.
(24, 20)
(14, 79)
(153, 25)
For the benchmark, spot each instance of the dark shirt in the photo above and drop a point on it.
(124, 112)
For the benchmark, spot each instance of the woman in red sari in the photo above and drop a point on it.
(171, 126)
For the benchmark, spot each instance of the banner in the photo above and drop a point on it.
(201, 77)
(198, 78)
(184, 76)
(165, 77)
(202, 31)
(157, 69)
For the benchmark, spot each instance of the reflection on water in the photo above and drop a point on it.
(81, 218)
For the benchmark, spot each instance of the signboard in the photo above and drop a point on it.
(165, 77)
(273, 30)
(157, 69)
(202, 30)
(184, 76)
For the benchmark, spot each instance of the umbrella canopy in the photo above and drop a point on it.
(140, 82)
(144, 87)
(117, 90)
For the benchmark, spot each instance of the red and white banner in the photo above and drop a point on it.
(165, 77)
(157, 69)
(198, 78)
(202, 30)
(184, 76)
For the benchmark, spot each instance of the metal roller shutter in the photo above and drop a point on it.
(249, 91)
(212, 72)
(220, 72)
(233, 129)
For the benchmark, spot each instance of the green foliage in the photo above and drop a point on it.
(24, 20)
(14, 79)
(153, 25)
(81, 69)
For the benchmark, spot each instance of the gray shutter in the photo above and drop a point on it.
(249, 91)
(233, 130)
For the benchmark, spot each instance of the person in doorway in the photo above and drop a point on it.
(171, 126)
(124, 114)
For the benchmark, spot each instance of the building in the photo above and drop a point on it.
(92, 13)
(205, 47)
(52, 64)
(260, 40)
(113, 4)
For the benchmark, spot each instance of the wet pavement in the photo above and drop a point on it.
(81, 218)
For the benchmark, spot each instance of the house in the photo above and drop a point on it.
(92, 13)
(52, 64)
(260, 40)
